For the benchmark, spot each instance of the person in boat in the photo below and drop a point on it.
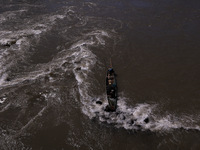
(112, 93)
(110, 76)
(111, 89)
(110, 73)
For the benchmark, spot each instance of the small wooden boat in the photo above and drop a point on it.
(111, 90)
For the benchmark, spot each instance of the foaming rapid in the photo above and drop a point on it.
(140, 117)
(15, 43)
(78, 60)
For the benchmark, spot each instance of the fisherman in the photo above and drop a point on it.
(112, 93)
(110, 72)
(110, 80)
(110, 76)
(111, 89)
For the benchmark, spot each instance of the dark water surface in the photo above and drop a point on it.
(53, 59)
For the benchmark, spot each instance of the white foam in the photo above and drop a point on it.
(3, 78)
(8, 15)
(37, 31)
(26, 77)
(90, 4)
(78, 78)
(133, 118)
(2, 100)
(141, 116)
(55, 17)
(19, 40)
(5, 41)
(100, 35)
(81, 56)
(80, 44)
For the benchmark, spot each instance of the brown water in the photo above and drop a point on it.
(53, 59)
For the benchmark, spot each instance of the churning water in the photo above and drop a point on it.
(53, 59)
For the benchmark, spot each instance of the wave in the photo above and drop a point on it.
(141, 117)
(80, 60)
(15, 43)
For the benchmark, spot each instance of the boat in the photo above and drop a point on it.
(111, 89)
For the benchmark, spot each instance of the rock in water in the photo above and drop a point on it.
(146, 120)
(8, 43)
(99, 102)
(78, 68)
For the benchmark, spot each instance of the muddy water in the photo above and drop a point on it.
(53, 59)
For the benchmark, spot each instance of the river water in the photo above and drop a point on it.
(53, 59)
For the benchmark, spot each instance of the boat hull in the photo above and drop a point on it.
(112, 91)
